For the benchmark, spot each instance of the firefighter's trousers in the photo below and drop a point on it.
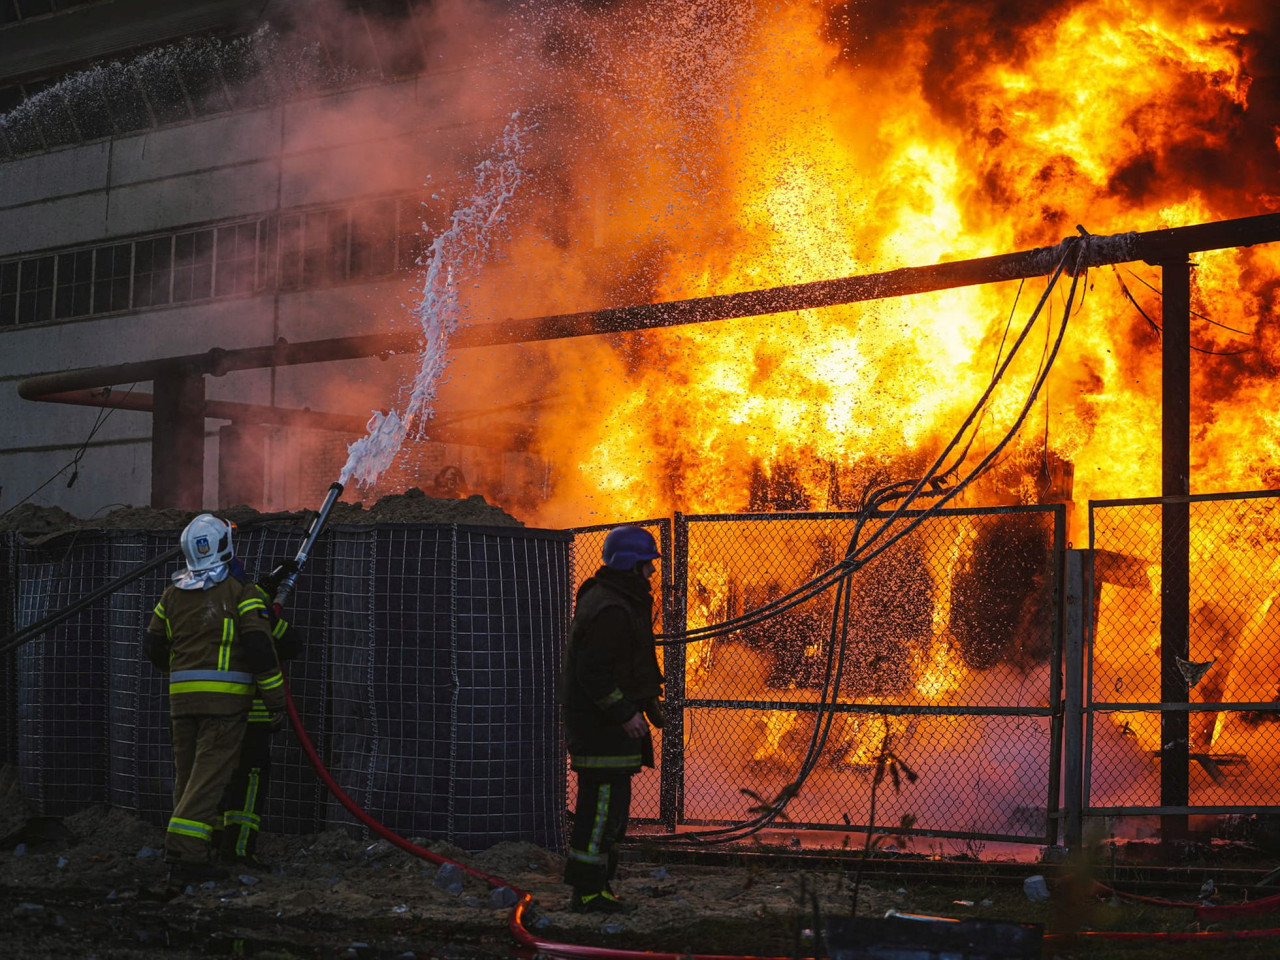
(599, 823)
(243, 799)
(205, 752)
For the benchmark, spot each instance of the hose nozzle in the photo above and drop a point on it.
(313, 533)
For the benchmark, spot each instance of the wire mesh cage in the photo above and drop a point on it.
(8, 659)
(426, 681)
(61, 696)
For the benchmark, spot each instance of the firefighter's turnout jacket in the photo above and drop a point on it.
(215, 645)
(610, 673)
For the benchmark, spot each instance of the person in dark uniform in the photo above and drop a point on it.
(210, 633)
(610, 694)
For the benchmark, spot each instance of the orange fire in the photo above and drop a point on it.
(832, 147)
(699, 149)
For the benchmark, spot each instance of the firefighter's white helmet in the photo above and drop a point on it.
(206, 543)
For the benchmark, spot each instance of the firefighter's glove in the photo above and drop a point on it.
(271, 582)
(653, 710)
(278, 722)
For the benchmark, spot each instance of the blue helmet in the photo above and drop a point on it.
(624, 547)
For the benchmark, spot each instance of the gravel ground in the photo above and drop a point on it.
(93, 885)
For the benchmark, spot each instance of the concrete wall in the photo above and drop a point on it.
(243, 164)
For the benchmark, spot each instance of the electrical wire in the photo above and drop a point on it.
(827, 578)
(1160, 331)
(104, 414)
(1201, 316)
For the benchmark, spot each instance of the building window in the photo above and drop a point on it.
(75, 285)
(411, 239)
(112, 277)
(192, 265)
(268, 235)
(237, 257)
(35, 290)
(8, 293)
(152, 273)
(373, 239)
(324, 247)
(294, 251)
(290, 253)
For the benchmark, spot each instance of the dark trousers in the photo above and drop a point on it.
(246, 791)
(599, 823)
(204, 755)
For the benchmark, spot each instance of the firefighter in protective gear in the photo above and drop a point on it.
(243, 800)
(609, 692)
(210, 633)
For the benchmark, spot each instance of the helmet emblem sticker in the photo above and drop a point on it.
(202, 545)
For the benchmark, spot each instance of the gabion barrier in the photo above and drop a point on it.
(427, 680)
(952, 662)
(1194, 730)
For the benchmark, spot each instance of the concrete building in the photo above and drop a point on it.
(211, 176)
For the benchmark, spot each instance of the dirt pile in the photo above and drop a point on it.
(37, 524)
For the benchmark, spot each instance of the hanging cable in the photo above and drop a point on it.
(74, 463)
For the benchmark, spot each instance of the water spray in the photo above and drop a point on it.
(313, 533)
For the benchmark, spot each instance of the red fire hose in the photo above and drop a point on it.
(515, 923)
(553, 948)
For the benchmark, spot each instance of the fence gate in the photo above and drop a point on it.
(953, 658)
(1213, 745)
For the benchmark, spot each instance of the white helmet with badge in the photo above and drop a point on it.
(208, 548)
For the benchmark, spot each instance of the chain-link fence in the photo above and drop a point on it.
(427, 678)
(1184, 661)
(951, 661)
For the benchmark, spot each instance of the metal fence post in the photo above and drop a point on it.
(1073, 698)
(674, 620)
(1175, 540)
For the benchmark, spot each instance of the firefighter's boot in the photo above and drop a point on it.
(240, 846)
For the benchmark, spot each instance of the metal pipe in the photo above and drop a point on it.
(217, 362)
(1153, 246)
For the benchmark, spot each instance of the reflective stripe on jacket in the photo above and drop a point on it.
(219, 649)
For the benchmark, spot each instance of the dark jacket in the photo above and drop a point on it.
(610, 672)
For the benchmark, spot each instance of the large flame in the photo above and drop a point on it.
(816, 145)
(697, 148)
(732, 147)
